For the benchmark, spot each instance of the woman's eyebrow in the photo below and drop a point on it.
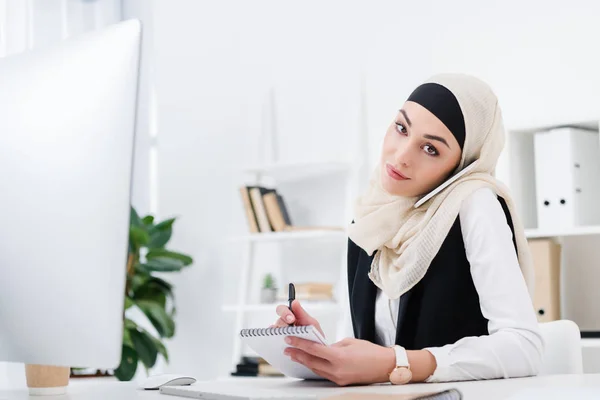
(438, 138)
(406, 117)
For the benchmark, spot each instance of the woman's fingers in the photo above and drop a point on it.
(285, 314)
(299, 316)
(279, 324)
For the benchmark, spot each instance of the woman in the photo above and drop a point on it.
(438, 291)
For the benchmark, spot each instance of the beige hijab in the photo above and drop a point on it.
(408, 238)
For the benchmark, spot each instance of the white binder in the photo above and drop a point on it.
(567, 170)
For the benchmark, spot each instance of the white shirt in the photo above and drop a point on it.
(514, 345)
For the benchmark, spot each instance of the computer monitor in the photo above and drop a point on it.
(67, 122)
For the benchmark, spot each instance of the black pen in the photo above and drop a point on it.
(291, 297)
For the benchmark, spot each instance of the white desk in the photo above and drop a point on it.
(555, 387)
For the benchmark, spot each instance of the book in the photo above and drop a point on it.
(249, 209)
(255, 366)
(241, 392)
(284, 211)
(314, 287)
(269, 343)
(274, 211)
(256, 195)
(448, 394)
(316, 291)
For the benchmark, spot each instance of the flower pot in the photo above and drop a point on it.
(268, 295)
(47, 380)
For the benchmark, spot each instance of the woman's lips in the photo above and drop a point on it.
(394, 173)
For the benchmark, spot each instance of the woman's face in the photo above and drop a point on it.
(419, 152)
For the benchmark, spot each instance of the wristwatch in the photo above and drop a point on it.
(401, 374)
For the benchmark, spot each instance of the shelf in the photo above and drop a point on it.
(589, 124)
(309, 306)
(590, 343)
(293, 235)
(299, 170)
(575, 231)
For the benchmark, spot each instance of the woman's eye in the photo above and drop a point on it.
(429, 149)
(400, 128)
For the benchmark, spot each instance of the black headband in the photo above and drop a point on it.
(442, 103)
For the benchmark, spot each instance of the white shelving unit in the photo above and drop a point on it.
(332, 236)
(292, 235)
(566, 232)
(308, 306)
(580, 245)
(519, 174)
(298, 170)
(314, 179)
(590, 343)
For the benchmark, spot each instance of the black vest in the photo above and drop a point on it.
(441, 309)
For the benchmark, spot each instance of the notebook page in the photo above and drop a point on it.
(270, 343)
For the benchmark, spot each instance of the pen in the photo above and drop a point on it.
(291, 297)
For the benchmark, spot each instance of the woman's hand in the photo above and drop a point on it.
(299, 316)
(350, 361)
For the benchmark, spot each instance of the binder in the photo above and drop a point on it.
(546, 255)
(567, 163)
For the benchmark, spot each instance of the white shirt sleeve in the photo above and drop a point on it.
(514, 346)
(345, 329)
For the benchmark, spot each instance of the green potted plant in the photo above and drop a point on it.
(150, 293)
(268, 293)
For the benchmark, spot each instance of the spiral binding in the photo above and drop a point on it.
(285, 330)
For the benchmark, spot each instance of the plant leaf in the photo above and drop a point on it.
(159, 238)
(138, 236)
(166, 286)
(128, 302)
(184, 258)
(148, 220)
(165, 225)
(151, 285)
(152, 293)
(154, 289)
(127, 338)
(161, 348)
(134, 218)
(128, 366)
(162, 322)
(139, 279)
(145, 347)
(161, 264)
(129, 324)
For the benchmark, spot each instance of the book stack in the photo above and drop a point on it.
(255, 366)
(313, 291)
(265, 209)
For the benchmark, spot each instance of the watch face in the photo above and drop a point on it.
(400, 376)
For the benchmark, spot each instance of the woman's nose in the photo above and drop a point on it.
(403, 156)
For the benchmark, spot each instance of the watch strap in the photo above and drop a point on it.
(401, 357)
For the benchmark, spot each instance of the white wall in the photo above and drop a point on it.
(540, 57)
(214, 63)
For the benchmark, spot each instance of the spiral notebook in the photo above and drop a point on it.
(270, 343)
